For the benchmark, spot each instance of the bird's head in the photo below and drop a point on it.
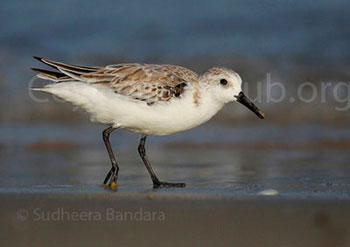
(225, 85)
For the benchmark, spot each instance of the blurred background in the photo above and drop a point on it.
(286, 52)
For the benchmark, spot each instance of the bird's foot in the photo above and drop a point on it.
(112, 177)
(158, 184)
(113, 186)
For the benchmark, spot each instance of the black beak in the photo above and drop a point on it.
(241, 98)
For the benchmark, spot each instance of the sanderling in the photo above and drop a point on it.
(144, 98)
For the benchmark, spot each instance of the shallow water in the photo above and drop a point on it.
(291, 41)
(215, 33)
(301, 161)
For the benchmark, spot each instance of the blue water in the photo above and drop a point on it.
(211, 160)
(283, 37)
(222, 32)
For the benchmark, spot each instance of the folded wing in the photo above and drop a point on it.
(143, 82)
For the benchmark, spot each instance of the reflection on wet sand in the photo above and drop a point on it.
(211, 159)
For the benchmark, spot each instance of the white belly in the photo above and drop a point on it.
(167, 118)
(162, 118)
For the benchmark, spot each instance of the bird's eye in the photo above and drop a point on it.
(223, 82)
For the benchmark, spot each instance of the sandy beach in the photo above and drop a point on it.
(90, 216)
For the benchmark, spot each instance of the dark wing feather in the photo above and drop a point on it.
(68, 67)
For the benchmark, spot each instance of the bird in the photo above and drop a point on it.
(148, 99)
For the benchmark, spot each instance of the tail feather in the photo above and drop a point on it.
(68, 67)
(50, 75)
(66, 71)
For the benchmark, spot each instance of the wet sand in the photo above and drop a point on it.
(90, 216)
(250, 185)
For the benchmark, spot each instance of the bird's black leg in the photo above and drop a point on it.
(156, 182)
(112, 175)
